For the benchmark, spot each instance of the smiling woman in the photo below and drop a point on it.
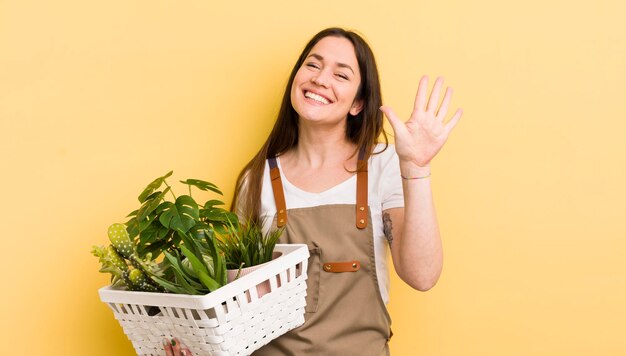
(325, 87)
(323, 176)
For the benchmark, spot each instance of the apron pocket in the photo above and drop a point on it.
(313, 279)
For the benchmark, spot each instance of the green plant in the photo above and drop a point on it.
(180, 230)
(246, 245)
(155, 225)
(194, 269)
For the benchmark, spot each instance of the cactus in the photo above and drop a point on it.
(140, 282)
(121, 274)
(121, 240)
(111, 263)
(116, 259)
(123, 248)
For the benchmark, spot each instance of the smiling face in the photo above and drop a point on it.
(325, 86)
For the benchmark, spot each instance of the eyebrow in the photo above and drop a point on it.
(339, 64)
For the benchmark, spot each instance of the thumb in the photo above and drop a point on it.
(394, 120)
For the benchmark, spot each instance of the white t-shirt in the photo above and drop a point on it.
(385, 192)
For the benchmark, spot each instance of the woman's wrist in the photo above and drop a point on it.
(410, 170)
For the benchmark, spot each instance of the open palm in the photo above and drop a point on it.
(420, 138)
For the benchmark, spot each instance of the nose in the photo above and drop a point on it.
(321, 78)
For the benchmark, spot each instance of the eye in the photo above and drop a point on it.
(342, 76)
(313, 65)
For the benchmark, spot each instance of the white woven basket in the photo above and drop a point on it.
(232, 320)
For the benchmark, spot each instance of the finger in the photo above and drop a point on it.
(167, 347)
(454, 120)
(420, 98)
(394, 120)
(176, 346)
(184, 351)
(433, 102)
(443, 109)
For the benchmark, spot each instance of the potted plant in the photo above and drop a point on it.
(180, 229)
(246, 248)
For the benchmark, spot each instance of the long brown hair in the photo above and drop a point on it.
(362, 129)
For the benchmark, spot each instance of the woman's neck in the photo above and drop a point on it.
(321, 147)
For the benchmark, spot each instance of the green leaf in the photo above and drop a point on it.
(151, 205)
(211, 203)
(185, 284)
(221, 229)
(181, 215)
(202, 185)
(155, 248)
(232, 218)
(185, 280)
(174, 262)
(200, 268)
(196, 263)
(147, 222)
(154, 232)
(190, 243)
(209, 282)
(219, 263)
(153, 195)
(197, 231)
(153, 186)
(132, 226)
(167, 285)
(186, 266)
(215, 214)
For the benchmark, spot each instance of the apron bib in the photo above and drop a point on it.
(345, 313)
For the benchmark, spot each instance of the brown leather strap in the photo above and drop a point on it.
(362, 211)
(338, 267)
(279, 194)
(361, 192)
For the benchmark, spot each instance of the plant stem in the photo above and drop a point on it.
(171, 191)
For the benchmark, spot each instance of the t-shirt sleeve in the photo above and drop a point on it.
(391, 192)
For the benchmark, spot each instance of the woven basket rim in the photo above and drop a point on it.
(292, 255)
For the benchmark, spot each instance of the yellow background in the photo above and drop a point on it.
(97, 98)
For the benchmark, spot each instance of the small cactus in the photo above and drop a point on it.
(122, 247)
(111, 263)
(140, 282)
(121, 240)
(115, 259)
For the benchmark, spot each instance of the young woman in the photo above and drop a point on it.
(322, 175)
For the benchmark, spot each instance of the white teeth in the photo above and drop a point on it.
(316, 97)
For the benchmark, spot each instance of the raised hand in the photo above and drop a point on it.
(420, 138)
